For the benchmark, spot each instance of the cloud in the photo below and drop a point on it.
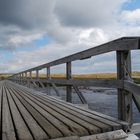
(71, 26)
(87, 13)
(131, 17)
(26, 14)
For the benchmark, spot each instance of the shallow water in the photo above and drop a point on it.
(100, 100)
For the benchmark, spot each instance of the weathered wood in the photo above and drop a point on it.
(8, 132)
(36, 130)
(135, 89)
(69, 138)
(44, 123)
(114, 135)
(55, 89)
(54, 118)
(48, 78)
(80, 95)
(99, 116)
(37, 74)
(41, 84)
(21, 128)
(124, 97)
(0, 106)
(68, 88)
(90, 82)
(35, 116)
(30, 75)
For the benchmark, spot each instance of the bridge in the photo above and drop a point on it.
(26, 114)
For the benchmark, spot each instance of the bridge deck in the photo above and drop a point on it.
(26, 115)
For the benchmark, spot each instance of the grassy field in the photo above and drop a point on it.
(4, 75)
(135, 75)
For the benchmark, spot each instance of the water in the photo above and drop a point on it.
(99, 99)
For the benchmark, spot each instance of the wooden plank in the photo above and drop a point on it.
(44, 123)
(91, 128)
(58, 124)
(93, 121)
(0, 107)
(8, 131)
(69, 138)
(36, 130)
(97, 115)
(72, 114)
(124, 97)
(21, 128)
(37, 93)
(99, 121)
(71, 125)
(114, 135)
(69, 87)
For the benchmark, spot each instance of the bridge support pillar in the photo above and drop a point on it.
(124, 97)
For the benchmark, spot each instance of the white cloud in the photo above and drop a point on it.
(24, 39)
(131, 17)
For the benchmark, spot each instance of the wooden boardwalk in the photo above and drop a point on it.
(26, 115)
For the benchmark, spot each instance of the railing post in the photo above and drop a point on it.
(30, 77)
(19, 78)
(48, 77)
(37, 74)
(22, 78)
(68, 88)
(124, 97)
(26, 78)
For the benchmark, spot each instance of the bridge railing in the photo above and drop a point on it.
(127, 89)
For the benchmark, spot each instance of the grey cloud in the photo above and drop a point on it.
(25, 14)
(87, 13)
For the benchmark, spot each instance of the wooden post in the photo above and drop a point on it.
(124, 97)
(30, 75)
(26, 77)
(30, 78)
(22, 78)
(37, 74)
(68, 88)
(48, 77)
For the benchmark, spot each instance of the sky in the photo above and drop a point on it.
(34, 32)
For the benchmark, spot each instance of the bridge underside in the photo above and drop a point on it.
(24, 114)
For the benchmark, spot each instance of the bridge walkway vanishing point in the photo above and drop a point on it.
(27, 115)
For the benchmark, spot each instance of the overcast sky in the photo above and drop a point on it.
(33, 32)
